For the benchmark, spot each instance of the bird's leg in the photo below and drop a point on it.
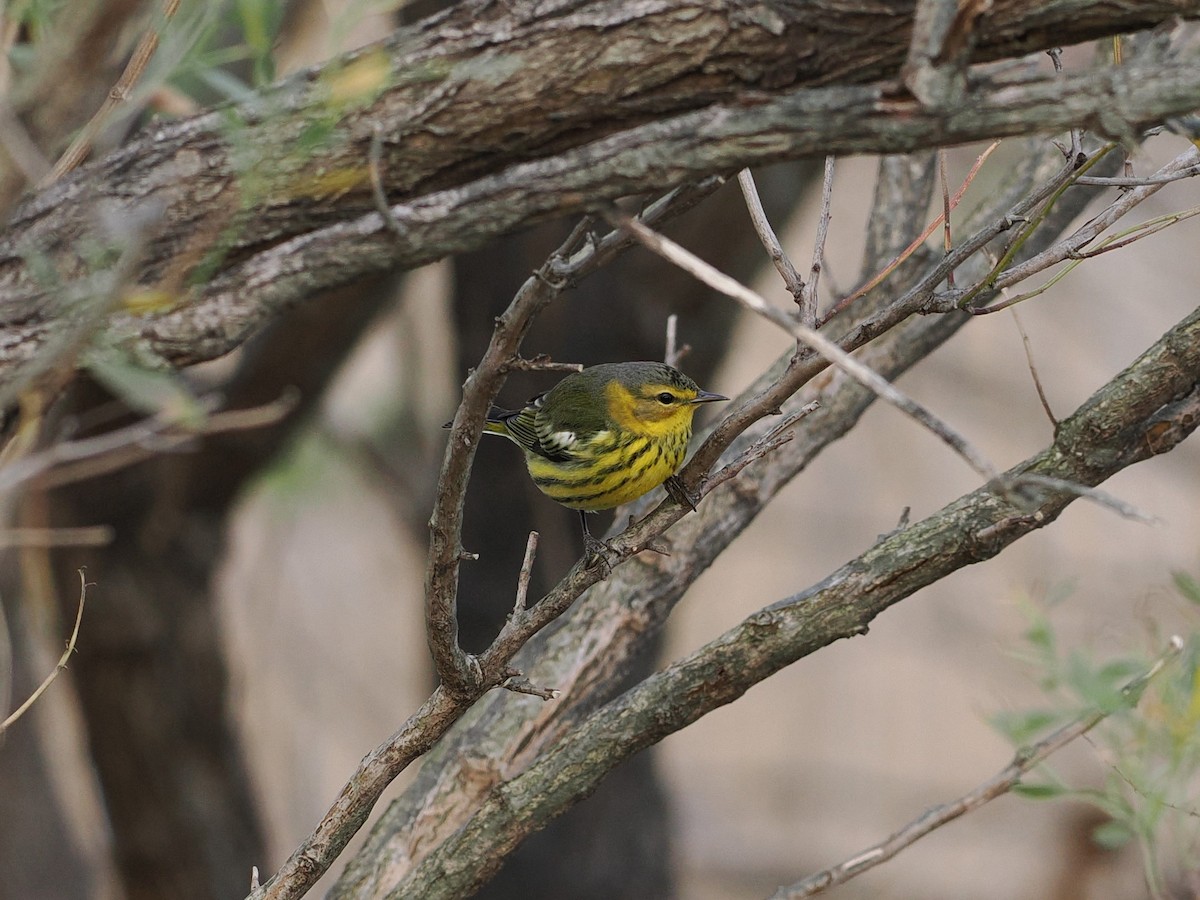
(680, 493)
(595, 550)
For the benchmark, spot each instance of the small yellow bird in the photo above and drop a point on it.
(606, 435)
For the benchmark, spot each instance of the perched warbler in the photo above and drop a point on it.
(606, 435)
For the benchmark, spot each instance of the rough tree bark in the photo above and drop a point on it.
(271, 202)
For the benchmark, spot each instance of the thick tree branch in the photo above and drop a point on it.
(227, 309)
(289, 222)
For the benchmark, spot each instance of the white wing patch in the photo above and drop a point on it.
(558, 441)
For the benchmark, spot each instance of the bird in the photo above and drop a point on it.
(605, 435)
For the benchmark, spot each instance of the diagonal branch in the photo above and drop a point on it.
(827, 348)
(1147, 409)
(62, 662)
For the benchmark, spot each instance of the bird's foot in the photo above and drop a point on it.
(680, 493)
(597, 552)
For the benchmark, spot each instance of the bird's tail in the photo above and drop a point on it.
(495, 423)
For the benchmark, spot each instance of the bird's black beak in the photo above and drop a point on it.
(708, 397)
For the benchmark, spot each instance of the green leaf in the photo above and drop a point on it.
(1096, 686)
(1040, 791)
(1188, 586)
(148, 387)
(1022, 726)
(1112, 835)
(227, 85)
(1039, 634)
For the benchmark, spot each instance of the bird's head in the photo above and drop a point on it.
(648, 398)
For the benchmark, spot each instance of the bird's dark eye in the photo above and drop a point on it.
(666, 398)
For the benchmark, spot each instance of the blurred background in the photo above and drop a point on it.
(278, 576)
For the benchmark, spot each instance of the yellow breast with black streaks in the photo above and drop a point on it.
(613, 468)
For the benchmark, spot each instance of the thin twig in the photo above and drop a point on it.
(526, 572)
(1107, 759)
(766, 234)
(518, 684)
(374, 167)
(776, 437)
(918, 241)
(1055, 54)
(1120, 181)
(1072, 246)
(118, 94)
(68, 461)
(1103, 498)
(1136, 233)
(541, 363)
(754, 302)
(947, 242)
(808, 301)
(671, 355)
(1025, 759)
(62, 661)
(1037, 381)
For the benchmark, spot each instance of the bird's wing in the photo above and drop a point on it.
(530, 428)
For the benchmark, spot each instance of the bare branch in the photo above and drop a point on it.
(808, 301)
(1033, 372)
(1118, 181)
(770, 241)
(278, 269)
(770, 441)
(754, 302)
(947, 241)
(526, 572)
(62, 661)
(69, 461)
(1025, 760)
(1084, 235)
(82, 145)
(1103, 498)
(541, 363)
(1055, 54)
(918, 241)
(673, 353)
(518, 684)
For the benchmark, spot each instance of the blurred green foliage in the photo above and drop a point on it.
(1149, 741)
